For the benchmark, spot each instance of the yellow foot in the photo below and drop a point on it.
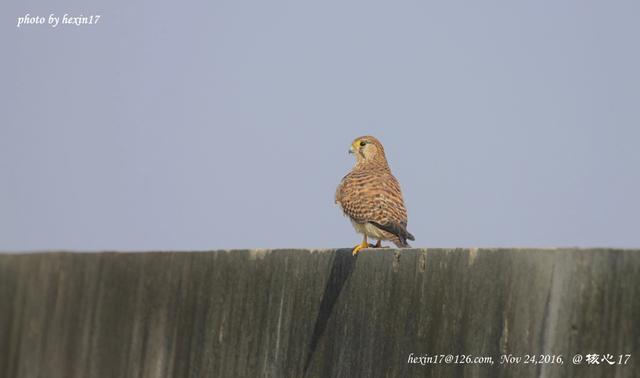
(358, 247)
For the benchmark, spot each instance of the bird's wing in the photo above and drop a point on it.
(352, 198)
(388, 212)
(338, 196)
(373, 197)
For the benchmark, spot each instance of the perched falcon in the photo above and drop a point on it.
(371, 196)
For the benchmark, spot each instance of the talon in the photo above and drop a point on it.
(360, 246)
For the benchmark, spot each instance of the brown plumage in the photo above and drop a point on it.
(371, 196)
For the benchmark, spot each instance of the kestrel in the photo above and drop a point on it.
(370, 196)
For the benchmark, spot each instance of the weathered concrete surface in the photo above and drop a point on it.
(269, 313)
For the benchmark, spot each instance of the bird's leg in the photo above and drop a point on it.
(360, 246)
(378, 244)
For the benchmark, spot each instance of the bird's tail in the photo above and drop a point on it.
(401, 242)
(399, 230)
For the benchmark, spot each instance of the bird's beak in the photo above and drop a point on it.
(351, 150)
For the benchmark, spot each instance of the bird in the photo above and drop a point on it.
(371, 197)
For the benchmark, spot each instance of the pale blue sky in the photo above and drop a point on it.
(225, 124)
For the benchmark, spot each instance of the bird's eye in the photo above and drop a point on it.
(362, 143)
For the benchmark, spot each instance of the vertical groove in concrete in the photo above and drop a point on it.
(316, 313)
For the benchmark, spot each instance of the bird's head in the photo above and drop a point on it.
(367, 148)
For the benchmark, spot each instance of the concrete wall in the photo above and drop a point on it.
(275, 313)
